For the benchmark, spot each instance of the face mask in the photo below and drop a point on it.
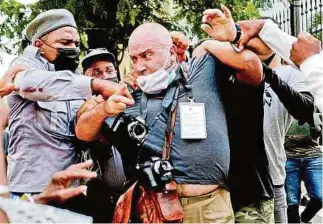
(156, 82)
(66, 59)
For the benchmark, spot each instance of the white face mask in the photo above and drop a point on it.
(156, 82)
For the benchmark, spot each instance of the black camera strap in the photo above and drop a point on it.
(169, 105)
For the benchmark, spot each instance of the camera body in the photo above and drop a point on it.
(155, 172)
(126, 128)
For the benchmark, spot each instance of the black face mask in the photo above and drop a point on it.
(114, 79)
(66, 59)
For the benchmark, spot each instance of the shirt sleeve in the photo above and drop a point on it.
(41, 85)
(279, 41)
(312, 67)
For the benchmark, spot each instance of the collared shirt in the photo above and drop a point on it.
(312, 67)
(41, 121)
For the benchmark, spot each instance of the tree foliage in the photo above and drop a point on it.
(192, 10)
(109, 23)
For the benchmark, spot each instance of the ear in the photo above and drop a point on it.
(39, 44)
(173, 53)
(88, 72)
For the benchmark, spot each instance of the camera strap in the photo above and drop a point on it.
(170, 107)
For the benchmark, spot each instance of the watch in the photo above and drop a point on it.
(238, 34)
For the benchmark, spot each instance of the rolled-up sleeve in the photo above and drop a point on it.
(40, 85)
(279, 41)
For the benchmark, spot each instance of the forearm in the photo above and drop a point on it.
(90, 122)
(279, 41)
(40, 85)
(246, 63)
(299, 104)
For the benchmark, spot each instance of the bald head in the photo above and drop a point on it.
(150, 48)
(151, 33)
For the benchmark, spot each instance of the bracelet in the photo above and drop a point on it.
(238, 35)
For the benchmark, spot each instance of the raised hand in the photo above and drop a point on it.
(219, 24)
(130, 79)
(181, 43)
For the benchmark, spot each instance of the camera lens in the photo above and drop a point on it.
(138, 130)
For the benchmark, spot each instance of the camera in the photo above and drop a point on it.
(125, 127)
(155, 173)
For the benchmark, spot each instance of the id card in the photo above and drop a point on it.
(193, 122)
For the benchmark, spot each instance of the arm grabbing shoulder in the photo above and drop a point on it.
(246, 63)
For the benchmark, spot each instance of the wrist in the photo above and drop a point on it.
(96, 86)
(237, 34)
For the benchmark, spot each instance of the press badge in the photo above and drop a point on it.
(193, 122)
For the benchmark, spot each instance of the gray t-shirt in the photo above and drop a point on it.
(203, 161)
(277, 121)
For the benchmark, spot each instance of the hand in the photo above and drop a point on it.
(104, 87)
(250, 29)
(89, 105)
(6, 82)
(305, 46)
(4, 116)
(118, 102)
(59, 188)
(220, 24)
(130, 78)
(181, 43)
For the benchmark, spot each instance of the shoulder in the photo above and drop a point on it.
(30, 57)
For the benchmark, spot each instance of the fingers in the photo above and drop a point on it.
(99, 99)
(71, 174)
(207, 29)
(8, 89)
(244, 40)
(123, 91)
(84, 165)
(12, 72)
(117, 103)
(226, 11)
(65, 194)
(121, 99)
(210, 14)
